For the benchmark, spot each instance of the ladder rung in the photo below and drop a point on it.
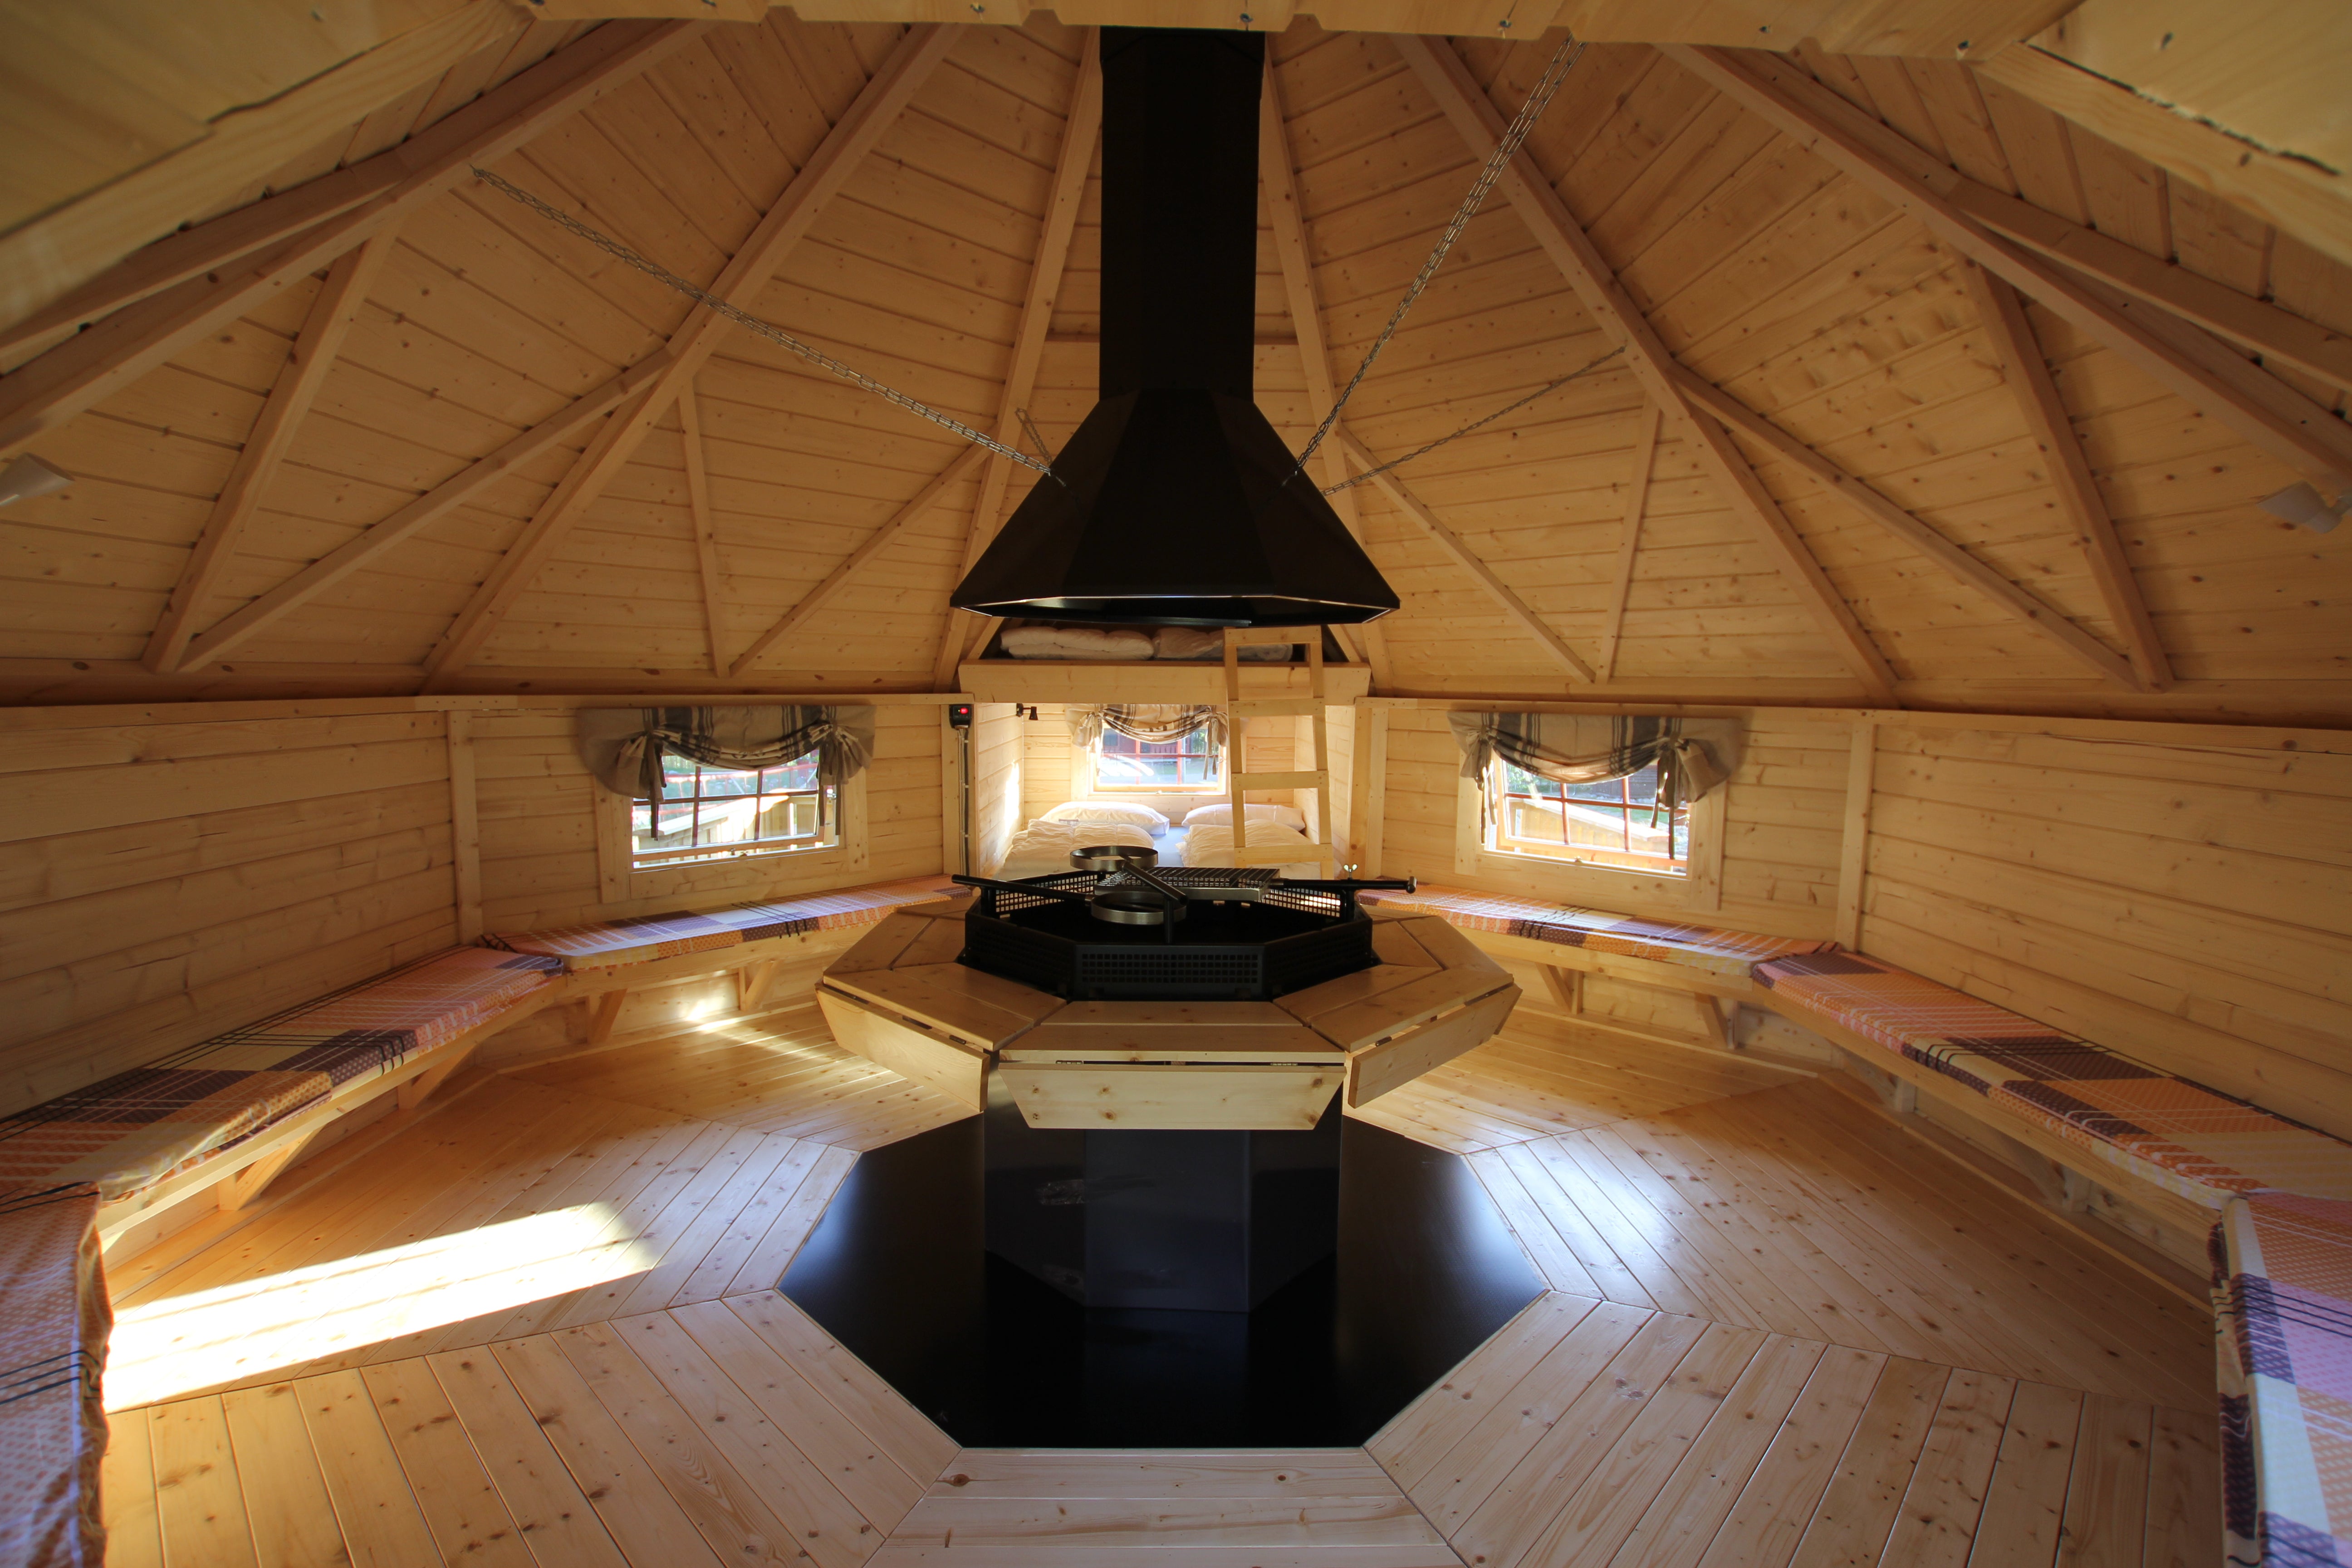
(1317, 780)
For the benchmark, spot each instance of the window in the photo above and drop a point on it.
(1124, 762)
(722, 814)
(1620, 823)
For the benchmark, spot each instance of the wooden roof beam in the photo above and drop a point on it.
(1480, 125)
(1629, 545)
(54, 386)
(746, 273)
(68, 246)
(1555, 647)
(564, 425)
(1081, 130)
(816, 598)
(2043, 616)
(1278, 179)
(320, 339)
(706, 537)
(2207, 373)
(2027, 370)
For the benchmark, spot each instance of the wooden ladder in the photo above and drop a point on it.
(1238, 779)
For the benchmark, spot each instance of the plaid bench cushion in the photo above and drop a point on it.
(132, 1130)
(54, 1319)
(2283, 1301)
(1705, 948)
(640, 939)
(2179, 1135)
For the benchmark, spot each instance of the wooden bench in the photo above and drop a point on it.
(2283, 1301)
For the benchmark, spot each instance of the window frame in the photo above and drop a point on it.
(1699, 888)
(1624, 809)
(829, 833)
(1220, 757)
(621, 881)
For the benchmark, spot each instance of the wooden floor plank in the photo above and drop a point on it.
(1553, 1258)
(1422, 1433)
(879, 1411)
(126, 1492)
(1857, 1510)
(641, 1515)
(1936, 1525)
(198, 1498)
(461, 1506)
(555, 1517)
(382, 1525)
(2106, 1495)
(285, 1498)
(1771, 1512)
(2184, 1490)
(2025, 1504)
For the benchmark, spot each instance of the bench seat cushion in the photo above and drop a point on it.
(1731, 954)
(641, 939)
(54, 1319)
(2283, 1301)
(2177, 1134)
(132, 1130)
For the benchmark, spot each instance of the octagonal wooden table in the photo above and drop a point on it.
(900, 999)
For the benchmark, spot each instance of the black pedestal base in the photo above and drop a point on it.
(898, 1272)
(1203, 1222)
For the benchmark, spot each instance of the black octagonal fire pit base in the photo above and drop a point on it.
(897, 1271)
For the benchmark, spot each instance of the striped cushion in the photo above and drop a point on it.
(2179, 1135)
(2283, 1296)
(54, 1319)
(132, 1130)
(640, 939)
(1705, 948)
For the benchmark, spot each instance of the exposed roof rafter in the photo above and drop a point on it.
(739, 282)
(332, 311)
(1637, 502)
(1081, 132)
(1480, 125)
(54, 386)
(706, 538)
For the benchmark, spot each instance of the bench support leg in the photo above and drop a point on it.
(607, 1013)
(1567, 987)
(419, 1089)
(1711, 1023)
(751, 984)
(241, 1189)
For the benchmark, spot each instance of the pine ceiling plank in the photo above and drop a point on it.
(2261, 408)
(1081, 132)
(52, 389)
(1464, 557)
(740, 282)
(336, 306)
(1278, 178)
(1481, 126)
(2043, 616)
(2003, 315)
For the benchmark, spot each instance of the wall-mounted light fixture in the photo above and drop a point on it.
(28, 476)
(2307, 508)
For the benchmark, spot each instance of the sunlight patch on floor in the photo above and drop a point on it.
(165, 1349)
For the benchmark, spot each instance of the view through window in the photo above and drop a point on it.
(1121, 762)
(1620, 822)
(714, 813)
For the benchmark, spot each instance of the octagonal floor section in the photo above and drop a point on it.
(1779, 1329)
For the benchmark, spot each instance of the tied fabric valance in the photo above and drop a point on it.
(624, 747)
(1694, 756)
(1159, 723)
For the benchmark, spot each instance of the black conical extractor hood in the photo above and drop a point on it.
(1175, 503)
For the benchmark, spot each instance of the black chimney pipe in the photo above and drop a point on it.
(1175, 503)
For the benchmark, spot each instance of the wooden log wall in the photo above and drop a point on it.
(999, 738)
(538, 825)
(2177, 895)
(165, 876)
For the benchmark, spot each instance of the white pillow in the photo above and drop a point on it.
(1223, 816)
(1076, 642)
(1207, 642)
(1142, 816)
(1042, 848)
(1212, 844)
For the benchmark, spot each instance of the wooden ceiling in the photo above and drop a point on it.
(423, 438)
